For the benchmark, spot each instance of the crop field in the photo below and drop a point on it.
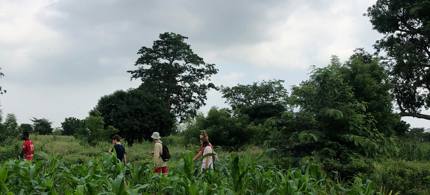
(61, 168)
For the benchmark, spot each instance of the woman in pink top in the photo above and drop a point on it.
(203, 138)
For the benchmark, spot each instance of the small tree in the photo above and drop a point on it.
(42, 126)
(223, 128)
(11, 126)
(96, 128)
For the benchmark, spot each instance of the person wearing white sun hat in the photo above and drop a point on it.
(160, 164)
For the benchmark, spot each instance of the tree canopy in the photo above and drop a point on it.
(265, 92)
(42, 126)
(71, 125)
(171, 70)
(406, 42)
(136, 114)
(259, 100)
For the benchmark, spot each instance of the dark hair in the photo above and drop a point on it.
(205, 143)
(25, 135)
(116, 137)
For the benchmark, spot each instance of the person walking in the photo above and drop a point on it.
(203, 138)
(119, 149)
(208, 156)
(159, 164)
(27, 151)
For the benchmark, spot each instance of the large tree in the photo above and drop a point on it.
(171, 70)
(136, 114)
(405, 25)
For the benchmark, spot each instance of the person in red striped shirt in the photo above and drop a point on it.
(27, 147)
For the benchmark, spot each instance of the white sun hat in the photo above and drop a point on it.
(155, 135)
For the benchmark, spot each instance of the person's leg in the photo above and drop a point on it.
(165, 170)
(158, 169)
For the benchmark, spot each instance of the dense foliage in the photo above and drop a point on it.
(42, 126)
(406, 29)
(344, 110)
(136, 114)
(25, 127)
(172, 71)
(96, 129)
(258, 101)
(9, 129)
(71, 125)
(223, 128)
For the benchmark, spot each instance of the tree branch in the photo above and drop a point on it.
(415, 115)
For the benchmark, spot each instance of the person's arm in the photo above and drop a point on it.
(125, 158)
(198, 155)
(22, 151)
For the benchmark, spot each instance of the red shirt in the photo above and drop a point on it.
(28, 149)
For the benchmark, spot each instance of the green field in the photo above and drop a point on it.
(63, 165)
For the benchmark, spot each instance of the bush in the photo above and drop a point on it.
(406, 177)
(174, 140)
(10, 151)
(223, 129)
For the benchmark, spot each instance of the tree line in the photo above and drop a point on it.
(342, 115)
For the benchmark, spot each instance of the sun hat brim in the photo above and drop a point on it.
(155, 137)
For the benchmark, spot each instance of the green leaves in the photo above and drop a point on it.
(136, 114)
(3, 177)
(405, 45)
(236, 175)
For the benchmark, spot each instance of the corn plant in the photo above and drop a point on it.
(106, 175)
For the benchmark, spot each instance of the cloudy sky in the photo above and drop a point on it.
(61, 56)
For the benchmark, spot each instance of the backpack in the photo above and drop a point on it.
(165, 154)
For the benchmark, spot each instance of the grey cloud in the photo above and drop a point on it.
(115, 30)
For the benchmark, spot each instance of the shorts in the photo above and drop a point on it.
(163, 170)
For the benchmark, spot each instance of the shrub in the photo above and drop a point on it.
(224, 129)
(406, 177)
(11, 151)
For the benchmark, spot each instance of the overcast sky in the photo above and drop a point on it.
(61, 56)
